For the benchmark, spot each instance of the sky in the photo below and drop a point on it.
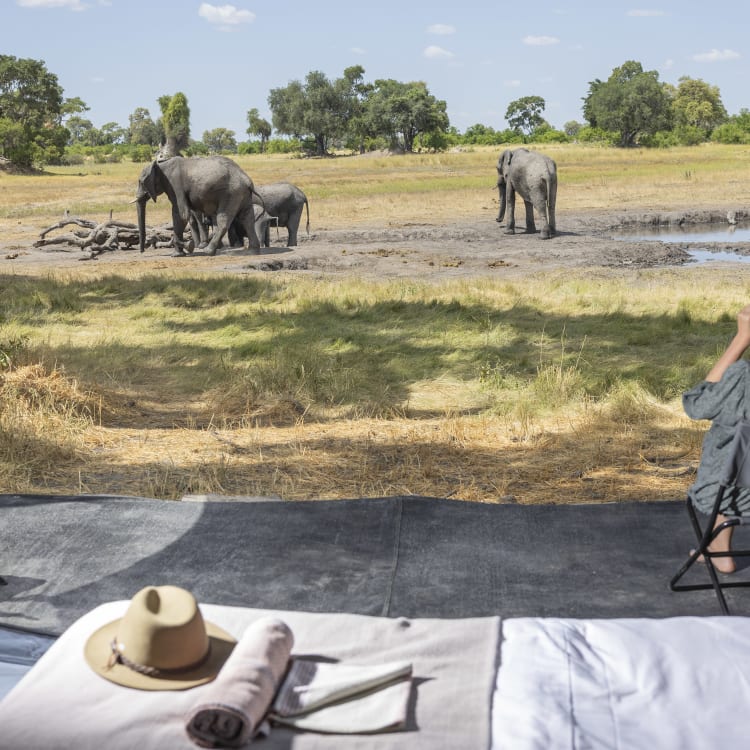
(477, 56)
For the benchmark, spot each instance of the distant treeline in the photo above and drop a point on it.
(318, 116)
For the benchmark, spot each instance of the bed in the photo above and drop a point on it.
(521, 683)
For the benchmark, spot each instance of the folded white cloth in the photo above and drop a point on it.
(234, 704)
(344, 698)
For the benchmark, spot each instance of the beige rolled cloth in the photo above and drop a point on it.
(235, 703)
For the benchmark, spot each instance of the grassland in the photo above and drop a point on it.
(556, 388)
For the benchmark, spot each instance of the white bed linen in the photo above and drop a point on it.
(629, 683)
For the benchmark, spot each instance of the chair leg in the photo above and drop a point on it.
(705, 538)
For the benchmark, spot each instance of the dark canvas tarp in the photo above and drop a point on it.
(396, 556)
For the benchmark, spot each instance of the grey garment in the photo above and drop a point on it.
(725, 403)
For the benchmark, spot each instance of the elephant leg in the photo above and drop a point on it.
(530, 226)
(178, 229)
(510, 204)
(292, 226)
(547, 217)
(247, 221)
(221, 228)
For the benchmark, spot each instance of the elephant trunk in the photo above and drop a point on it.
(501, 191)
(141, 208)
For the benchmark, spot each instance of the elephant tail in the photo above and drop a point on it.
(260, 202)
(307, 209)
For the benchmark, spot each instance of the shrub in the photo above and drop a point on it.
(730, 132)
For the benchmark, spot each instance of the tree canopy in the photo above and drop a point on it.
(142, 130)
(350, 110)
(220, 140)
(175, 115)
(31, 112)
(631, 102)
(256, 125)
(697, 104)
(402, 111)
(525, 114)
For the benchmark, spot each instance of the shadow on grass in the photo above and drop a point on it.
(248, 340)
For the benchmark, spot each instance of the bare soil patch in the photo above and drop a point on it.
(460, 249)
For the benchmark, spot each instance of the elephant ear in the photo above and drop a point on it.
(508, 159)
(504, 161)
(150, 180)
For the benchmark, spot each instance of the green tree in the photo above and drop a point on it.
(31, 112)
(82, 131)
(697, 104)
(735, 130)
(142, 130)
(220, 140)
(353, 92)
(402, 111)
(314, 109)
(175, 116)
(572, 128)
(525, 114)
(111, 133)
(259, 126)
(631, 102)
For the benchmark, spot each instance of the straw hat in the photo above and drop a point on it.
(161, 643)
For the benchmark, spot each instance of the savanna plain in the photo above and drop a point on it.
(406, 346)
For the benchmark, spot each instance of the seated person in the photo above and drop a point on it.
(724, 398)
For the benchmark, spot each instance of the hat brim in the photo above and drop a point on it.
(97, 653)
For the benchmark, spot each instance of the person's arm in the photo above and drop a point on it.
(736, 348)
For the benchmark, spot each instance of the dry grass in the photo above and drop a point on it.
(443, 440)
(382, 190)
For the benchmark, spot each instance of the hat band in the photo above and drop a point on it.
(117, 657)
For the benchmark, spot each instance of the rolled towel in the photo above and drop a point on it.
(235, 703)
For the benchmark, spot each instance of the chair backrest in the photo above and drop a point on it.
(737, 468)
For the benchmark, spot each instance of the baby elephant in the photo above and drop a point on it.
(283, 204)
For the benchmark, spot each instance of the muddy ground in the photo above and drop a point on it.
(462, 249)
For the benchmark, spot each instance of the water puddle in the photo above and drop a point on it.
(707, 256)
(688, 233)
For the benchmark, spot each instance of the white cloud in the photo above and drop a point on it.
(668, 64)
(646, 13)
(441, 29)
(514, 84)
(72, 4)
(717, 55)
(540, 41)
(436, 53)
(357, 51)
(225, 17)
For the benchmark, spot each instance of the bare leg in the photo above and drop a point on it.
(722, 543)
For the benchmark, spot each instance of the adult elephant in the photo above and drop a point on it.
(283, 204)
(213, 185)
(534, 177)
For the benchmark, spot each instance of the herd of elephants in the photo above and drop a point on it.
(217, 198)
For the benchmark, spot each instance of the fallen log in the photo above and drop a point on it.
(105, 236)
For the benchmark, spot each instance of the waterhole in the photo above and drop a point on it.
(688, 233)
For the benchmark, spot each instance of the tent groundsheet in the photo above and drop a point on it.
(393, 556)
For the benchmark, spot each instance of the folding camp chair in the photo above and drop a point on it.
(736, 475)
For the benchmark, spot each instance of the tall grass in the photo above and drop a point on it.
(553, 362)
